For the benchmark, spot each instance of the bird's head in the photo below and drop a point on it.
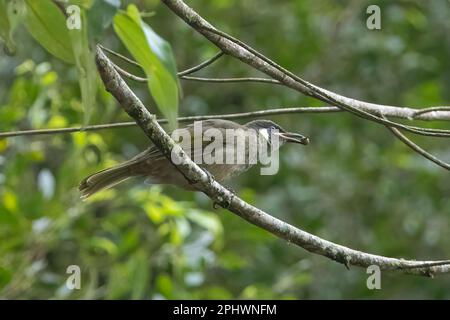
(268, 128)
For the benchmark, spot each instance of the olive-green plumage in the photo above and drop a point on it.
(159, 170)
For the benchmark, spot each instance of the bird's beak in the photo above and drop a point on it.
(294, 137)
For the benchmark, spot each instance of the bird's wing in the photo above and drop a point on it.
(215, 123)
(195, 152)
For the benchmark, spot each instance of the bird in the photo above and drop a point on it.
(158, 169)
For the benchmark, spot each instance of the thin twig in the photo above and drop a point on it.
(432, 109)
(118, 55)
(196, 68)
(129, 75)
(242, 115)
(418, 149)
(133, 77)
(61, 7)
(228, 80)
(201, 65)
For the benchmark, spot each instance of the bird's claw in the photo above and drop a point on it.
(209, 176)
(222, 202)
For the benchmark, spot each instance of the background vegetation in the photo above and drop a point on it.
(354, 184)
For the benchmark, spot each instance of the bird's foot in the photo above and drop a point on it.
(209, 176)
(221, 201)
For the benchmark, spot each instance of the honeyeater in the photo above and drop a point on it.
(153, 165)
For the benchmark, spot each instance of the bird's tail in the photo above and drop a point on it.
(105, 179)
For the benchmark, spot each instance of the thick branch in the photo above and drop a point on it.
(134, 107)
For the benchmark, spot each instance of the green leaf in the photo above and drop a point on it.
(84, 60)
(9, 201)
(83, 3)
(11, 13)
(16, 12)
(103, 244)
(139, 275)
(208, 221)
(5, 276)
(164, 285)
(47, 24)
(156, 58)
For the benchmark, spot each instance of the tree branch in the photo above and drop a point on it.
(434, 113)
(219, 194)
(201, 65)
(181, 74)
(133, 77)
(228, 80)
(418, 149)
(250, 56)
(241, 115)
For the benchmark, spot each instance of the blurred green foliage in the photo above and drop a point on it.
(354, 184)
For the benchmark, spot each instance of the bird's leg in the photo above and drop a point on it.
(225, 203)
(210, 179)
